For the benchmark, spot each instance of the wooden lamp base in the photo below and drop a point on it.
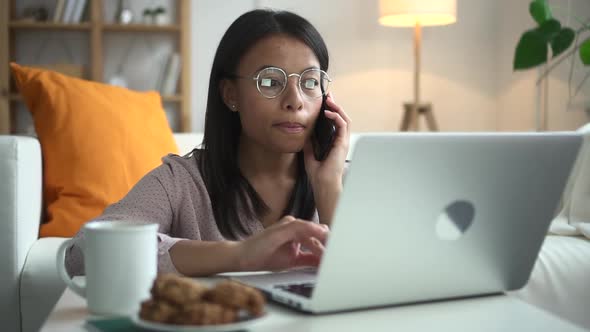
(411, 123)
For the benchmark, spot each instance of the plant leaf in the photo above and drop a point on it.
(585, 52)
(531, 50)
(562, 41)
(540, 11)
(549, 29)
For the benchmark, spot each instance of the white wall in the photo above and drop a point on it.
(466, 67)
(209, 21)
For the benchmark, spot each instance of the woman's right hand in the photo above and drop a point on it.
(279, 247)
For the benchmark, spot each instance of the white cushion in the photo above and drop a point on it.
(574, 215)
(188, 141)
(559, 282)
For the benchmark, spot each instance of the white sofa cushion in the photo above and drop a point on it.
(574, 215)
(559, 281)
(187, 141)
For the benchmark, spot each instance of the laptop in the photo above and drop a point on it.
(431, 216)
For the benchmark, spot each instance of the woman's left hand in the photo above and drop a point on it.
(326, 176)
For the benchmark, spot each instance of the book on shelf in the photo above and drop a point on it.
(79, 11)
(172, 117)
(59, 11)
(169, 75)
(69, 11)
(69, 69)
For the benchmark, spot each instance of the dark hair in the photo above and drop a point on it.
(228, 188)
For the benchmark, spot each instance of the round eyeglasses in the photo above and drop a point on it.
(272, 81)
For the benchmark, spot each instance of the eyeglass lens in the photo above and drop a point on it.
(272, 81)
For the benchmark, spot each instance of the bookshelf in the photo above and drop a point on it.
(49, 25)
(96, 29)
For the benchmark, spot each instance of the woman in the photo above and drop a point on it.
(245, 200)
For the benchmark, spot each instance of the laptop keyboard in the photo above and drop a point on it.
(301, 289)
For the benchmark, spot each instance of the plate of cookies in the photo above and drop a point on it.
(183, 304)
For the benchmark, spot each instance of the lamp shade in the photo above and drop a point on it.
(407, 13)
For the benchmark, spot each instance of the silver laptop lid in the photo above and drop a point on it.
(431, 216)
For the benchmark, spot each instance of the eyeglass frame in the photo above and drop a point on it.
(287, 76)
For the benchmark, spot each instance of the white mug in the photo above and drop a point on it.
(120, 260)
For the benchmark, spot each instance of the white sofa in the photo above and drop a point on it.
(29, 284)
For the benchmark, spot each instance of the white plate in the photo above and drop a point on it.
(241, 325)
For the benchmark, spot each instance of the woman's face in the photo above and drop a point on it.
(280, 124)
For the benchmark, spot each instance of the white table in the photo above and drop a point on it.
(489, 313)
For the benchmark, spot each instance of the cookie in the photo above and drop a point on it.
(203, 313)
(177, 290)
(237, 296)
(157, 311)
(183, 301)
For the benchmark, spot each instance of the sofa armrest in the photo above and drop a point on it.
(20, 214)
(40, 283)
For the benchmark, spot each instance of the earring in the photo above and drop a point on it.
(233, 108)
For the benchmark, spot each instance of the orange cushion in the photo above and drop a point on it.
(97, 142)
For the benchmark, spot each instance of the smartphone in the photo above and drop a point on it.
(323, 134)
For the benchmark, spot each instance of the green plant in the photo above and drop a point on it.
(154, 11)
(533, 47)
(159, 10)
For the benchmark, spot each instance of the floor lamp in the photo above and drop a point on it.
(417, 13)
